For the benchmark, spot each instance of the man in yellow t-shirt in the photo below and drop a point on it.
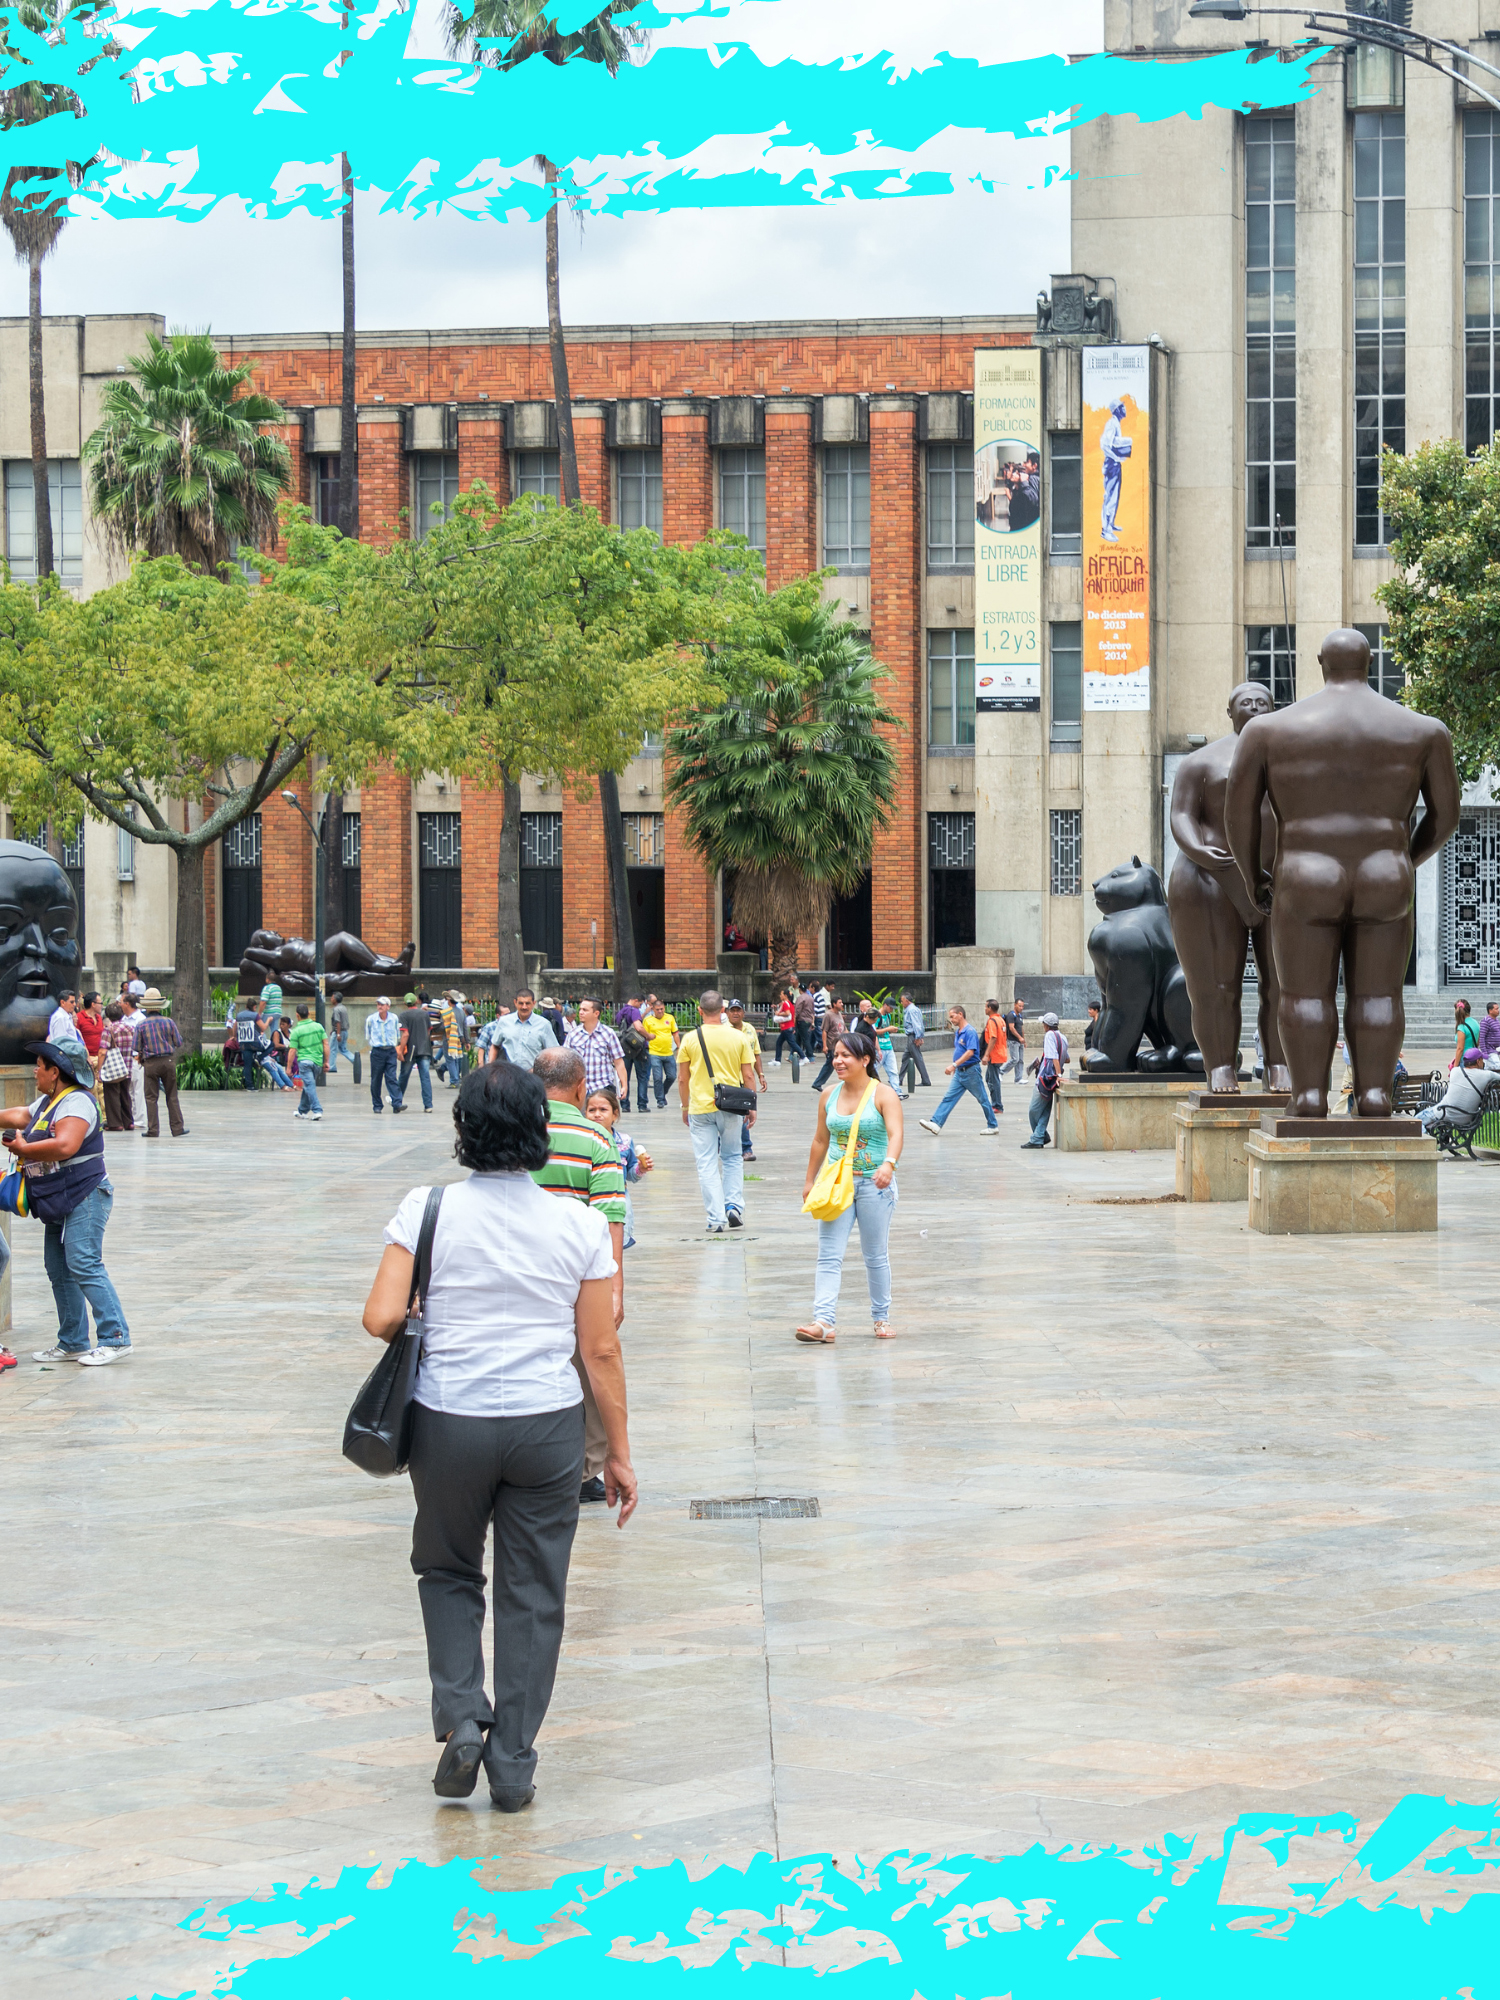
(734, 1013)
(715, 1134)
(660, 1030)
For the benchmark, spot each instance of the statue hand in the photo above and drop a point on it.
(1263, 896)
(1218, 857)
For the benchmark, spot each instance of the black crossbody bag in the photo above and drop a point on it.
(377, 1431)
(731, 1097)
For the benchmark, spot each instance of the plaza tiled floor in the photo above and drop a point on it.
(1142, 1522)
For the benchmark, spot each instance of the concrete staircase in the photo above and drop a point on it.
(1429, 1016)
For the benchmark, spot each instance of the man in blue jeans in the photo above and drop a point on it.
(383, 1033)
(967, 1074)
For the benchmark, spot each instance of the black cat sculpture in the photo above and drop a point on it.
(1141, 983)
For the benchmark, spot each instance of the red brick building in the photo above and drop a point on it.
(827, 443)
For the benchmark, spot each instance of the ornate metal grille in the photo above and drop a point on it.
(351, 840)
(950, 839)
(442, 840)
(242, 844)
(541, 840)
(645, 840)
(1471, 899)
(1067, 852)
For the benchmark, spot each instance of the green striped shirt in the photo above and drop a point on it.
(583, 1161)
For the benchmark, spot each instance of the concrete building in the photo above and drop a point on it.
(1306, 284)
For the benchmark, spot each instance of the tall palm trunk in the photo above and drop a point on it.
(627, 973)
(39, 487)
(348, 409)
(189, 970)
(512, 956)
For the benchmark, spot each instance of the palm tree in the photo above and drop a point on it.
(181, 463)
(33, 223)
(528, 29)
(789, 783)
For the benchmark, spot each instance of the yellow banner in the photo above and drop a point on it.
(1007, 529)
(1116, 528)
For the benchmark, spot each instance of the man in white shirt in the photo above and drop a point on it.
(63, 1027)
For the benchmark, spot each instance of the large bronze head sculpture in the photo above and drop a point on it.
(38, 944)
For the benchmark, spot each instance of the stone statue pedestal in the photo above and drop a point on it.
(1356, 1177)
(1211, 1128)
(1127, 1114)
(17, 1087)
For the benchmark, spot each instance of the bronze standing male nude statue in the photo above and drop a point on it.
(1343, 771)
(1214, 920)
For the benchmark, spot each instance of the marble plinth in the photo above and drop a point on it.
(1126, 1115)
(1211, 1128)
(1341, 1186)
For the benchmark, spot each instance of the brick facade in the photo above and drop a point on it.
(892, 362)
(286, 864)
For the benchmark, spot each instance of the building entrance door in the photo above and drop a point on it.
(648, 915)
(1471, 899)
(542, 885)
(440, 887)
(950, 881)
(851, 931)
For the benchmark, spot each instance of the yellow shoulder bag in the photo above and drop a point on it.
(833, 1190)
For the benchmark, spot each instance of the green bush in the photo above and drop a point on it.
(204, 1070)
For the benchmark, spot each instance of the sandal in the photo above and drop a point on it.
(816, 1333)
(883, 1330)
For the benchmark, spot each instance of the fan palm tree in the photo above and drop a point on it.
(182, 463)
(527, 29)
(788, 785)
(34, 221)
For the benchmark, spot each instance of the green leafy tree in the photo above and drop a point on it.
(787, 784)
(502, 34)
(1443, 507)
(538, 639)
(182, 463)
(33, 216)
(173, 705)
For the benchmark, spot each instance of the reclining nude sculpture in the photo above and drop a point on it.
(1343, 771)
(1214, 920)
(350, 967)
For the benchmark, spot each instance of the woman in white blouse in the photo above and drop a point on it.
(517, 1277)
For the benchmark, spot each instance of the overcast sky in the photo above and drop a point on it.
(970, 252)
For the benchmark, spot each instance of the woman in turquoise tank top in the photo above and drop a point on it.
(877, 1148)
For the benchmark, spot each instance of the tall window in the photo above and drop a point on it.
(349, 860)
(125, 853)
(437, 486)
(541, 885)
(1271, 659)
(639, 475)
(1385, 676)
(1270, 331)
(1067, 685)
(846, 506)
(950, 880)
(1481, 275)
(1067, 852)
(65, 491)
(326, 490)
(742, 495)
(950, 690)
(950, 506)
(440, 888)
(1379, 309)
(1066, 518)
(536, 472)
(241, 887)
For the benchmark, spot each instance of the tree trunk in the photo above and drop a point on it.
(627, 972)
(348, 407)
(567, 454)
(40, 491)
(508, 901)
(189, 996)
(783, 957)
(333, 847)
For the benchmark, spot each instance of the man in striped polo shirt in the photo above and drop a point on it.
(583, 1164)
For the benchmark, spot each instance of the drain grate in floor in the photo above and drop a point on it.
(754, 1508)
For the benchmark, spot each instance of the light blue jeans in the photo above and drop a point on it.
(969, 1078)
(1041, 1114)
(889, 1070)
(663, 1076)
(73, 1254)
(423, 1066)
(338, 1045)
(309, 1100)
(721, 1171)
(872, 1208)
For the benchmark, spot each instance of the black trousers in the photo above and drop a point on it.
(522, 1474)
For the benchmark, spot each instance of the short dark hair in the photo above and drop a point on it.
(114, 1011)
(69, 995)
(527, 994)
(992, 1006)
(89, 999)
(302, 1010)
(605, 1090)
(1094, 1007)
(500, 1118)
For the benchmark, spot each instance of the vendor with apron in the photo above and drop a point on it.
(58, 1142)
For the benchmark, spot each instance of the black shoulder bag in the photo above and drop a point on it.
(377, 1433)
(731, 1097)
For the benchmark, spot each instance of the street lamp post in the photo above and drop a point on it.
(1373, 29)
(320, 900)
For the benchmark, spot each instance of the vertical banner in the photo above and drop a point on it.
(1007, 529)
(1116, 527)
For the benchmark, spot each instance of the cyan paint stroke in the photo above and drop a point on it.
(227, 99)
(1119, 1925)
